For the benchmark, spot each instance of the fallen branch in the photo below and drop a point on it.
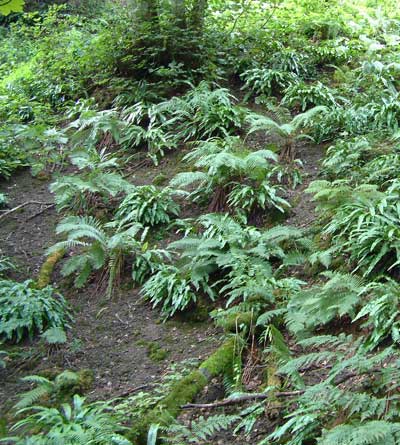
(244, 398)
(50, 206)
(20, 206)
(265, 395)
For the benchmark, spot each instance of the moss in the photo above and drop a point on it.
(185, 390)
(69, 382)
(232, 322)
(3, 427)
(157, 353)
(160, 179)
(154, 350)
(46, 271)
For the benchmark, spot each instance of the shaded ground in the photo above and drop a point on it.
(110, 337)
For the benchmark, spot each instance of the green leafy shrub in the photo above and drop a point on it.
(148, 205)
(347, 156)
(105, 247)
(291, 130)
(306, 96)
(319, 305)
(267, 81)
(292, 61)
(97, 183)
(75, 424)
(242, 258)
(364, 223)
(6, 264)
(232, 176)
(25, 311)
(174, 289)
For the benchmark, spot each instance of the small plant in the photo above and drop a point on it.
(75, 424)
(291, 61)
(290, 131)
(364, 223)
(105, 248)
(240, 256)
(6, 265)
(82, 193)
(148, 205)
(306, 96)
(232, 176)
(174, 289)
(3, 200)
(267, 81)
(320, 304)
(26, 311)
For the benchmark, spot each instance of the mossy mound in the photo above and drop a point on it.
(185, 390)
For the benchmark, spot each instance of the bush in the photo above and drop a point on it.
(25, 311)
(79, 423)
(148, 205)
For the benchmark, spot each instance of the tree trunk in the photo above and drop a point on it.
(179, 11)
(198, 15)
(147, 11)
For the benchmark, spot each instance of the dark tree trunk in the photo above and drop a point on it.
(198, 14)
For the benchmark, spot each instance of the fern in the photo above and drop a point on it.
(76, 424)
(223, 165)
(25, 310)
(199, 431)
(81, 193)
(148, 205)
(320, 304)
(290, 131)
(105, 247)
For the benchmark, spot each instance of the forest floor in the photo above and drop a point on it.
(114, 338)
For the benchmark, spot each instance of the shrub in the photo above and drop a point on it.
(148, 205)
(25, 310)
(73, 424)
(105, 247)
(232, 176)
(267, 81)
(308, 95)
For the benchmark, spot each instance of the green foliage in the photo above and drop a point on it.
(267, 81)
(241, 256)
(306, 96)
(25, 311)
(148, 205)
(97, 183)
(363, 222)
(75, 424)
(172, 290)
(320, 304)
(199, 431)
(105, 247)
(6, 265)
(3, 200)
(290, 131)
(233, 176)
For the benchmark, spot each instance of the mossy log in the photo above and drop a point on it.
(46, 271)
(185, 390)
(232, 322)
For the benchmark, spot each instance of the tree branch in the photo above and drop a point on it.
(8, 212)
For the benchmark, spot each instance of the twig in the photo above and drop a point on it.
(40, 212)
(132, 390)
(244, 398)
(4, 215)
